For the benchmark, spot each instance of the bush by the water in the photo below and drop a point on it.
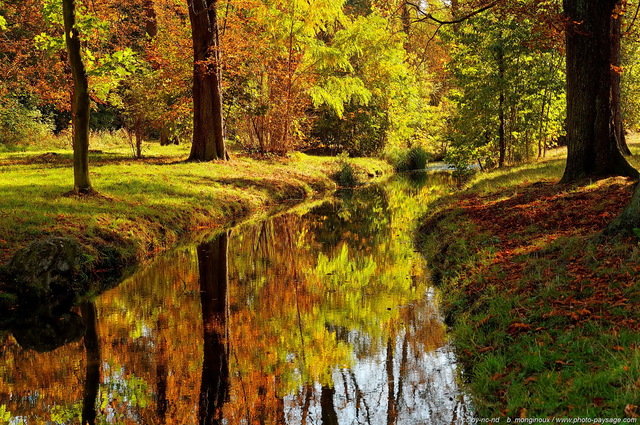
(415, 158)
(345, 175)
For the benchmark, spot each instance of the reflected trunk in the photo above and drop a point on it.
(329, 415)
(92, 375)
(392, 412)
(214, 389)
(162, 372)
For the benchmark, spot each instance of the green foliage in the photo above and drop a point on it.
(366, 93)
(500, 57)
(361, 130)
(20, 125)
(630, 85)
(106, 69)
(345, 175)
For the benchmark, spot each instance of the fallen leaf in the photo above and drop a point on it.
(630, 410)
(522, 412)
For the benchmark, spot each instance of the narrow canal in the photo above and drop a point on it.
(324, 315)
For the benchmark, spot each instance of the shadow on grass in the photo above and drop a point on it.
(550, 170)
(277, 189)
(55, 160)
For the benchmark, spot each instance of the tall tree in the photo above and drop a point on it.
(591, 136)
(80, 100)
(208, 123)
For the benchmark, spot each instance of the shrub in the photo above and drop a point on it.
(415, 158)
(19, 125)
(345, 175)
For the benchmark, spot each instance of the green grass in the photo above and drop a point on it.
(145, 206)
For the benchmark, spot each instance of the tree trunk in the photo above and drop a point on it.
(79, 101)
(591, 138)
(139, 138)
(502, 146)
(616, 95)
(208, 123)
(151, 21)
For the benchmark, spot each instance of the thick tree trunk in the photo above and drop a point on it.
(591, 138)
(79, 102)
(208, 124)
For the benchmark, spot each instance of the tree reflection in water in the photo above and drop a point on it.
(92, 375)
(317, 317)
(214, 283)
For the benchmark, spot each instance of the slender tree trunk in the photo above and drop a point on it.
(208, 123)
(591, 138)
(80, 101)
(616, 69)
(502, 146)
(138, 132)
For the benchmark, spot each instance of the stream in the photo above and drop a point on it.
(321, 315)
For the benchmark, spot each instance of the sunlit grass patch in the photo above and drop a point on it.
(144, 205)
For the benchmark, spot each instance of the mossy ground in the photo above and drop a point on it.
(543, 314)
(144, 206)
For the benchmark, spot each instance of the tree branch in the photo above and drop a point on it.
(452, 21)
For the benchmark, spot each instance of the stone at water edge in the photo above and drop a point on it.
(46, 267)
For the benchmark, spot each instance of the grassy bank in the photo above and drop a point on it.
(544, 318)
(145, 206)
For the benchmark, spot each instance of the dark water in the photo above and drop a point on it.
(319, 316)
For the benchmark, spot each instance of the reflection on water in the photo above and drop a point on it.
(321, 317)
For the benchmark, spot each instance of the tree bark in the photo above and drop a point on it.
(151, 21)
(591, 137)
(208, 123)
(79, 101)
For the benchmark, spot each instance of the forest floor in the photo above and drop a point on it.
(543, 314)
(145, 206)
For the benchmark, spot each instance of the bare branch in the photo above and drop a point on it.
(427, 16)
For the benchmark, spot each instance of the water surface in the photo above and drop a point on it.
(321, 316)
